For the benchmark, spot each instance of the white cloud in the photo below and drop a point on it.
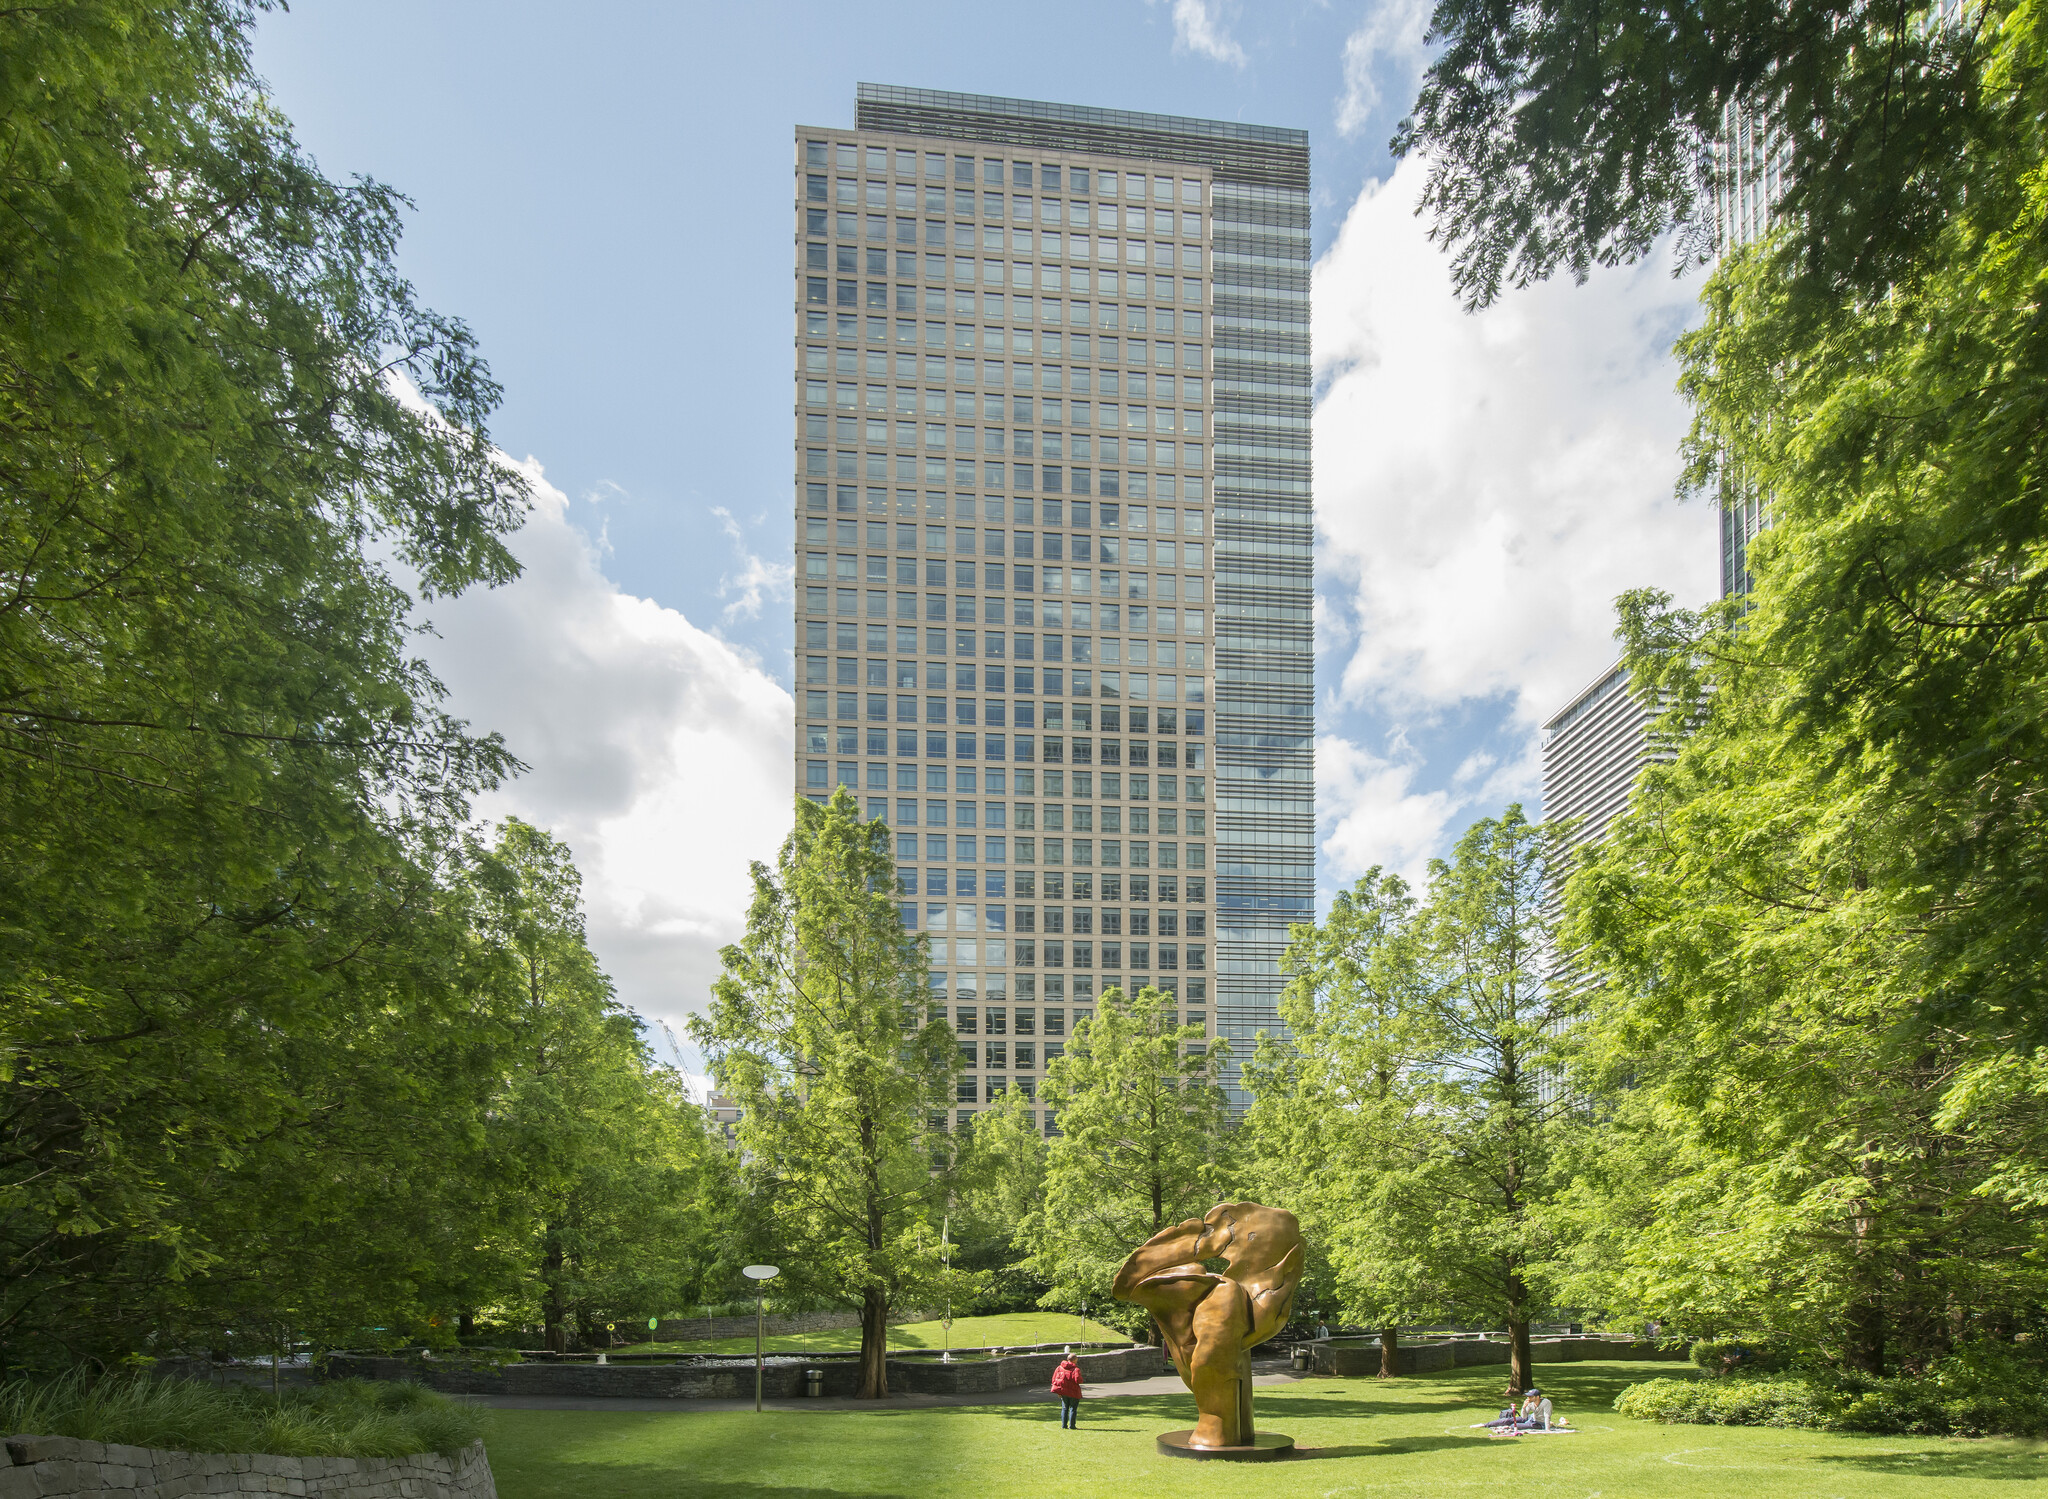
(658, 752)
(1198, 27)
(1387, 42)
(1369, 811)
(1487, 483)
(757, 580)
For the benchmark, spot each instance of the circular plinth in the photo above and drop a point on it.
(1264, 1448)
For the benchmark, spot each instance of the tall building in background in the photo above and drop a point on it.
(1750, 161)
(1054, 538)
(1593, 750)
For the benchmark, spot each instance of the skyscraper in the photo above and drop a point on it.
(1054, 538)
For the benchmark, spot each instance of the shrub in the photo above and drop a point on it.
(1981, 1391)
(345, 1418)
(1741, 1355)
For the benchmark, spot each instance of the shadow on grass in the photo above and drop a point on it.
(1392, 1447)
(1953, 1459)
(652, 1481)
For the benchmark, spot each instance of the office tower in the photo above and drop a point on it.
(1593, 751)
(1749, 177)
(1054, 539)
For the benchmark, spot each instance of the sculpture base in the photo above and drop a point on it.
(1264, 1448)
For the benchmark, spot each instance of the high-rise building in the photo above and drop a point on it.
(1750, 159)
(1054, 536)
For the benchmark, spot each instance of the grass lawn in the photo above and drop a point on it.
(1009, 1331)
(1361, 1437)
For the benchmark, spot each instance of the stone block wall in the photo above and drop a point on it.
(734, 1379)
(690, 1329)
(1432, 1358)
(64, 1468)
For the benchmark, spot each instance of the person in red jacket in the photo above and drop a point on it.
(1066, 1383)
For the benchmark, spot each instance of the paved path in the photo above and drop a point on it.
(1165, 1384)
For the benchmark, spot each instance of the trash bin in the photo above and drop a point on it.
(814, 1382)
(1301, 1356)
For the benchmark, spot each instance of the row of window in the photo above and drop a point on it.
(1102, 348)
(1115, 259)
(1028, 780)
(1114, 686)
(951, 282)
(996, 611)
(1027, 952)
(1051, 546)
(938, 744)
(993, 849)
(994, 644)
(907, 572)
(904, 197)
(939, 166)
(937, 369)
(971, 918)
(1057, 318)
(991, 406)
(1051, 479)
(1024, 443)
(1051, 509)
(1052, 816)
(996, 884)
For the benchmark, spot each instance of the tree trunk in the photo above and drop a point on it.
(874, 1345)
(1520, 1357)
(554, 1308)
(1390, 1351)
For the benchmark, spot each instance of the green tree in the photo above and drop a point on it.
(1486, 1052)
(234, 998)
(1338, 1125)
(999, 1187)
(1566, 134)
(1825, 1022)
(608, 1172)
(1144, 1141)
(813, 1031)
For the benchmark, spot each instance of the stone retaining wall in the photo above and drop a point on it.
(64, 1468)
(1431, 1358)
(689, 1329)
(734, 1380)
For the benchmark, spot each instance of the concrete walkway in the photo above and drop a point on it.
(1165, 1384)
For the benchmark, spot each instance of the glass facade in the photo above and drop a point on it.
(1054, 528)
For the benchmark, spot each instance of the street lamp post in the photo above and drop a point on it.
(760, 1274)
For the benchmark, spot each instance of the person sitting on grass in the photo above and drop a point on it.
(1066, 1383)
(1505, 1421)
(1538, 1415)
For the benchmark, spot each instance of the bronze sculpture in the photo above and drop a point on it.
(1211, 1322)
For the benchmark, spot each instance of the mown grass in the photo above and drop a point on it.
(347, 1418)
(1377, 1440)
(1008, 1330)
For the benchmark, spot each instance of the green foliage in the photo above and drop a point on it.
(344, 1418)
(1824, 1025)
(1565, 134)
(1144, 1143)
(812, 1030)
(236, 1012)
(1981, 1392)
(1418, 1115)
(1741, 1356)
(610, 1180)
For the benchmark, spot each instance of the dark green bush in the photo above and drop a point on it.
(344, 1418)
(1741, 1356)
(1988, 1390)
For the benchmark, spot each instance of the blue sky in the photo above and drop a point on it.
(602, 194)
